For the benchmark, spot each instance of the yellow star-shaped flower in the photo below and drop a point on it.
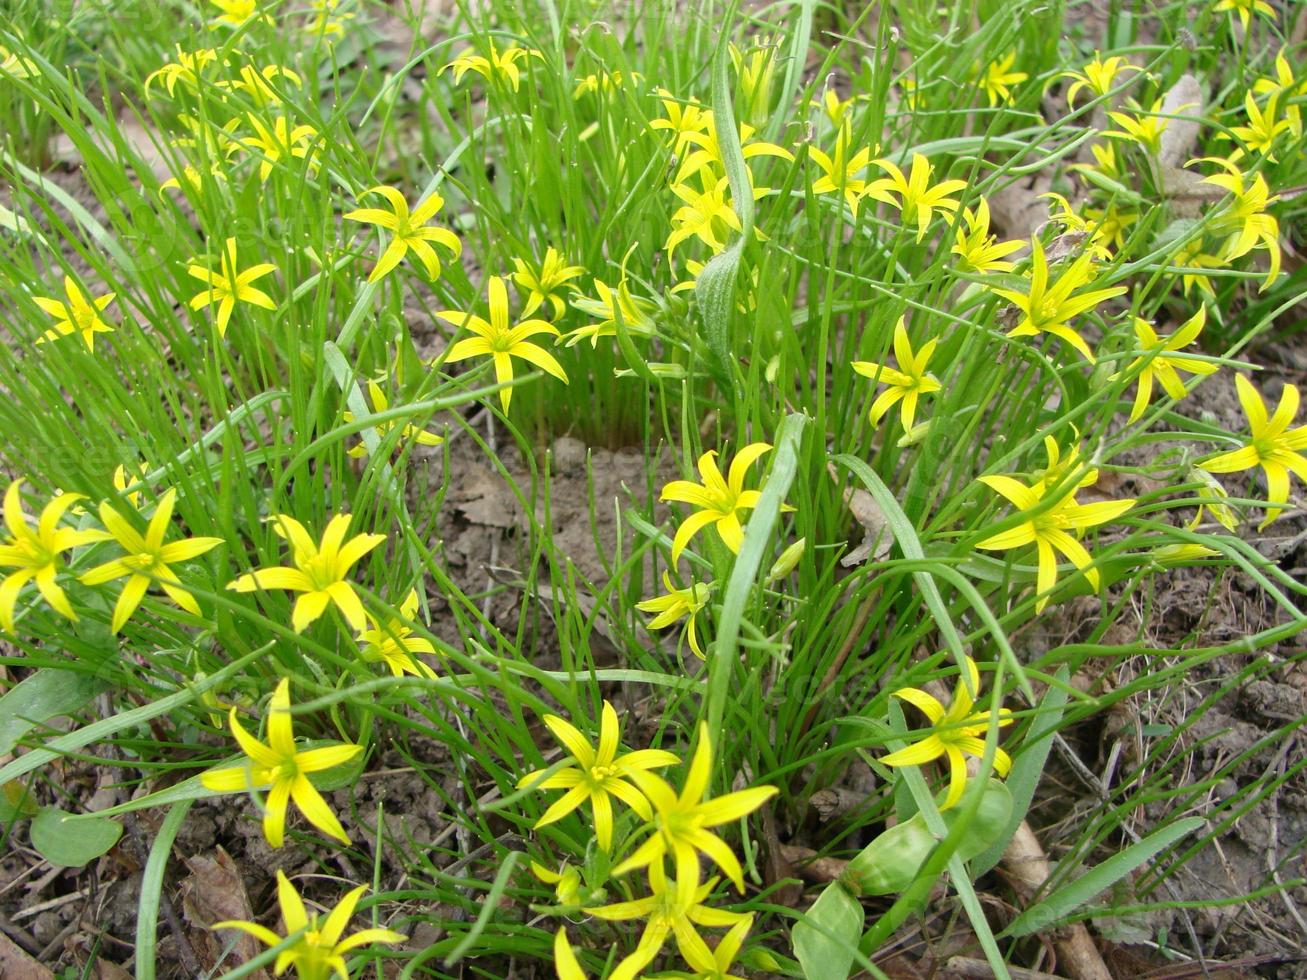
(907, 384)
(595, 774)
(281, 770)
(956, 732)
(320, 951)
(501, 342)
(1271, 444)
(320, 570)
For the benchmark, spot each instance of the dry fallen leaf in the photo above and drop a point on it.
(876, 537)
(15, 964)
(214, 892)
(487, 501)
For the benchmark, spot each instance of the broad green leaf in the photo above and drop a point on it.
(41, 696)
(1065, 900)
(61, 839)
(715, 285)
(891, 862)
(826, 938)
(122, 721)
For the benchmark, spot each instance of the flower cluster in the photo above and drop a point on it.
(678, 831)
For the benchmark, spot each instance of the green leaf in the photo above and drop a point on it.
(14, 222)
(147, 917)
(16, 803)
(826, 938)
(123, 720)
(1065, 900)
(1027, 768)
(715, 285)
(44, 695)
(722, 658)
(891, 862)
(63, 840)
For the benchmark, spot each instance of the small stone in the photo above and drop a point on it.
(569, 454)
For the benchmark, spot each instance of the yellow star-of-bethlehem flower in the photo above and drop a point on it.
(1245, 9)
(411, 231)
(1192, 258)
(913, 195)
(79, 315)
(668, 911)
(707, 152)
(1161, 359)
(14, 65)
(905, 385)
(956, 732)
(236, 13)
(281, 140)
(542, 283)
(409, 433)
(497, 339)
(1287, 89)
(281, 770)
(1107, 165)
(260, 85)
(1072, 465)
(566, 882)
(1264, 127)
(1097, 77)
(1144, 128)
(682, 117)
(34, 554)
(636, 313)
(977, 250)
(835, 108)
(840, 172)
(500, 64)
(719, 501)
(998, 79)
(1271, 444)
(391, 641)
(1244, 222)
(1095, 241)
(676, 604)
(320, 952)
(124, 478)
(756, 74)
(1046, 527)
(214, 144)
(230, 286)
(328, 19)
(705, 214)
(147, 560)
(605, 82)
(319, 572)
(718, 966)
(681, 824)
(1048, 307)
(1108, 225)
(186, 68)
(595, 774)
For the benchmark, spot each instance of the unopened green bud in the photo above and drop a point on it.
(788, 559)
